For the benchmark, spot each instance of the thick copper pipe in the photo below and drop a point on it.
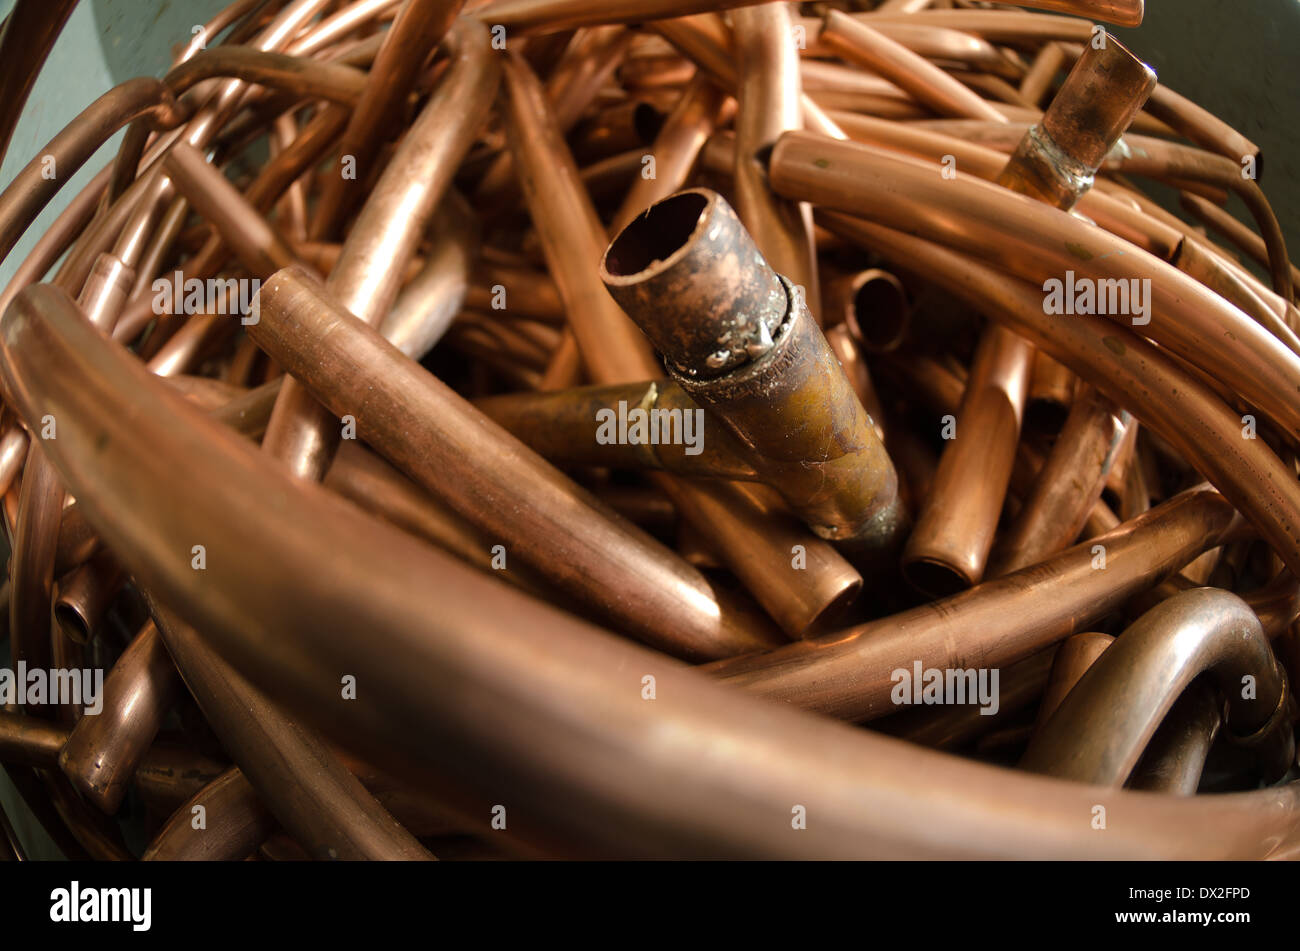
(1160, 392)
(1033, 241)
(1067, 488)
(1100, 729)
(103, 751)
(737, 338)
(767, 94)
(26, 38)
(367, 277)
(552, 524)
(858, 43)
(675, 149)
(420, 25)
(709, 754)
(239, 824)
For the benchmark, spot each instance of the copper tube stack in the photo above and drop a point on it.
(652, 417)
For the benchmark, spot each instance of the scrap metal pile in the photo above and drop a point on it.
(663, 428)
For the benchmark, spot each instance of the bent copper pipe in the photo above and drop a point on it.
(551, 524)
(469, 643)
(1101, 727)
(239, 824)
(1119, 12)
(737, 338)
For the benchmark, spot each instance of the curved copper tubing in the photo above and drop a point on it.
(103, 751)
(767, 94)
(1175, 755)
(1119, 12)
(26, 38)
(306, 78)
(873, 306)
(932, 42)
(1165, 396)
(1067, 487)
(675, 149)
(368, 275)
(1032, 240)
(1225, 224)
(858, 43)
(737, 338)
(1202, 127)
(419, 26)
(1100, 729)
(727, 761)
(454, 451)
(561, 426)
(846, 674)
(239, 823)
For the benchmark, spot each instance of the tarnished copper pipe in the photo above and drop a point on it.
(737, 338)
(240, 823)
(1101, 727)
(28, 35)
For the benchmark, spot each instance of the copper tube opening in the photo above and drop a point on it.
(655, 235)
(877, 314)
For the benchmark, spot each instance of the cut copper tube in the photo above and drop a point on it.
(1101, 727)
(768, 91)
(85, 595)
(419, 25)
(466, 460)
(239, 824)
(102, 751)
(874, 308)
(675, 149)
(872, 771)
(1068, 486)
(737, 338)
(860, 44)
(1051, 389)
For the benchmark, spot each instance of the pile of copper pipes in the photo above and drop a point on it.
(673, 428)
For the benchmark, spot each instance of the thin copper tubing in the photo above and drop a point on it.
(1098, 732)
(768, 91)
(420, 24)
(527, 17)
(367, 277)
(725, 763)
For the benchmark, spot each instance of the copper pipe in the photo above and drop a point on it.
(1175, 755)
(474, 641)
(1070, 661)
(458, 454)
(1100, 729)
(874, 308)
(366, 278)
(768, 91)
(420, 24)
(1068, 486)
(526, 17)
(305, 78)
(1041, 74)
(997, 26)
(240, 823)
(737, 338)
(102, 751)
(1241, 236)
(860, 44)
(85, 596)
(675, 149)
(26, 38)
(1119, 12)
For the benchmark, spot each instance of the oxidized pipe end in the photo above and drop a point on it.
(689, 261)
(1099, 99)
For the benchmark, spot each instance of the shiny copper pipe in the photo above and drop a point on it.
(455, 452)
(1100, 729)
(866, 789)
(997, 26)
(737, 338)
(860, 44)
(768, 91)
(367, 277)
(103, 751)
(420, 24)
(1032, 241)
